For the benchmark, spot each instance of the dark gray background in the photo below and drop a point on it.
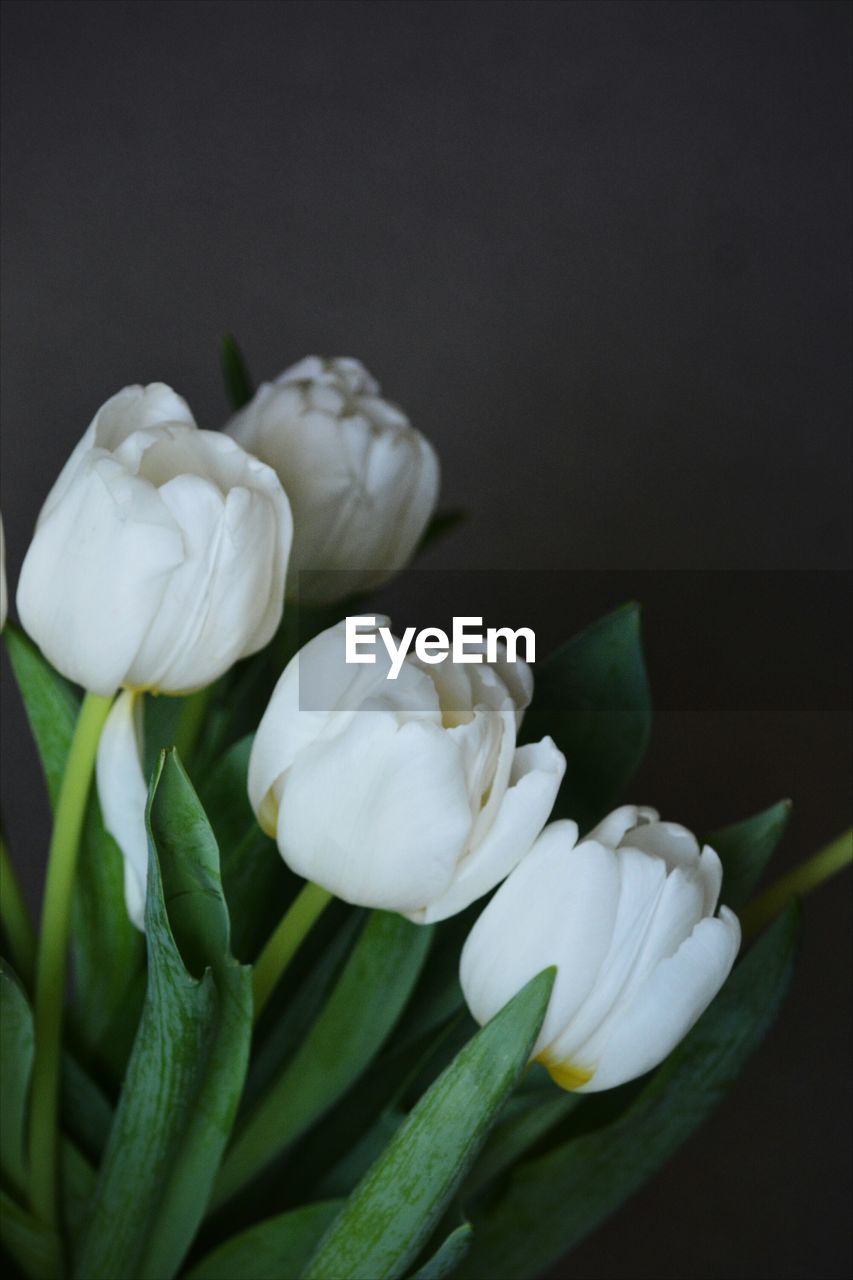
(600, 252)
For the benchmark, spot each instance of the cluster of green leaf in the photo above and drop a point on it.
(365, 1127)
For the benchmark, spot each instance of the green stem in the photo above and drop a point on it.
(15, 919)
(803, 879)
(285, 941)
(191, 723)
(51, 957)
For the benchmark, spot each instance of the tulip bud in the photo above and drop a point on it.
(361, 480)
(410, 795)
(160, 555)
(628, 917)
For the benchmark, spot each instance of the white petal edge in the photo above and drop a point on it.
(535, 779)
(670, 1002)
(123, 796)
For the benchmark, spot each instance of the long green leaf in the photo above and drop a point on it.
(254, 877)
(356, 1132)
(745, 848)
(344, 1039)
(51, 704)
(552, 1202)
(16, 1064)
(87, 1114)
(288, 1020)
(189, 1061)
(77, 1180)
(448, 1256)
(107, 949)
(592, 696)
(392, 1212)
(276, 1248)
(528, 1116)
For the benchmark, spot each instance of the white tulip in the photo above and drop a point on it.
(362, 481)
(160, 555)
(628, 917)
(409, 795)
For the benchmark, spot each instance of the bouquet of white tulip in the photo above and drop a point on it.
(269, 1063)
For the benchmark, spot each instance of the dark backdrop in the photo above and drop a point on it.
(601, 254)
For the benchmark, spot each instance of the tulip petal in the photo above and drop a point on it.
(377, 813)
(131, 409)
(95, 573)
(535, 779)
(614, 827)
(316, 683)
(668, 840)
(711, 871)
(558, 907)
(225, 599)
(641, 884)
(123, 795)
(362, 482)
(668, 1004)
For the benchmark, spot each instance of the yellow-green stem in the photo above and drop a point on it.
(15, 918)
(285, 941)
(803, 879)
(51, 956)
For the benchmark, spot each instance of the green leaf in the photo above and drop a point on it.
(356, 1132)
(77, 1181)
(292, 1011)
(186, 1072)
(391, 1213)
(161, 718)
(16, 1064)
(238, 383)
(440, 526)
(51, 704)
(108, 951)
(592, 696)
(87, 1114)
(224, 793)
(271, 1250)
(527, 1118)
(254, 877)
(344, 1039)
(447, 1258)
(745, 848)
(34, 1246)
(552, 1202)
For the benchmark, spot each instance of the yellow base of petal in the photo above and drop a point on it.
(565, 1074)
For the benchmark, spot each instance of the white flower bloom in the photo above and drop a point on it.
(410, 795)
(362, 481)
(628, 917)
(160, 555)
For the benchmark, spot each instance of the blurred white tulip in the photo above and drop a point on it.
(628, 917)
(410, 795)
(362, 481)
(160, 555)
